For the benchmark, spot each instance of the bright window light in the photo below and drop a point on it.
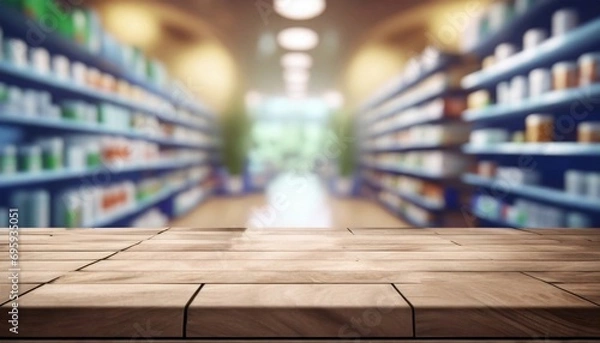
(297, 96)
(296, 60)
(296, 76)
(334, 99)
(298, 39)
(299, 9)
(296, 87)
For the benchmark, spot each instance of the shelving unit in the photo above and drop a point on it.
(543, 194)
(576, 99)
(17, 128)
(534, 203)
(432, 100)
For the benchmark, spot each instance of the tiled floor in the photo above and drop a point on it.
(338, 284)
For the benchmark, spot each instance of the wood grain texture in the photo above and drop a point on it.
(329, 265)
(567, 277)
(59, 255)
(96, 311)
(282, 283)
(589, 291)
(299, 311)
(505, 306)
(8, 292)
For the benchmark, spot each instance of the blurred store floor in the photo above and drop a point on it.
(236, 212)
(290, 201)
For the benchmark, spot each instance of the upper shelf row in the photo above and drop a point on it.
(15, 24)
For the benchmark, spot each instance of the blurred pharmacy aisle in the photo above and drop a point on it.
(291, 202)
(300, 113)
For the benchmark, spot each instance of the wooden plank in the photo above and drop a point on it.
(358, 255)
(150, 246)
(329, 265)
(88, 231)
(68, 310)
(490, 241)
(220, 229)
(503, 306)
(391, 231)
(256, 277)
(522, 247)
(75, 238)
(299, 311)
(8, 291)
(567, 277)
(26, 276)
(69, 247)
(50, 266)
(579, 232)
(481, 231)
(60, 255)
(589, 291)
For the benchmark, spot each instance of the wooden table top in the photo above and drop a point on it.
(181, 284)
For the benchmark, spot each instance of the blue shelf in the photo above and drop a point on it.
(550, 102)
(404, 148)
(543, 194)
(438, 91)
(410, 172)
(543, 149)
(515, 28)
(144, 205)
(49, 82)
(568, 46)
(21, 179)
(496, 222)
(72, 126)
(396, 212)
(401, 87)
(14, 23)
(438, 120)
(412, 198)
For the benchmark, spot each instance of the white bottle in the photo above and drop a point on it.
(40, 207)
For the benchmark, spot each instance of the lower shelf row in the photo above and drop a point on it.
(102, 204)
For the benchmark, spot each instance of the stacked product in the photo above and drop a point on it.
(74, 102)
(83, 27)
(188, 200)
(410, 132)
(532, 105)
(153, 218)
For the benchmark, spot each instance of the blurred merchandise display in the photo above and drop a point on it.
(532, 106)
(94, 132)
(411, 132)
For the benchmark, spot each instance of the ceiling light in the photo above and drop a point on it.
(296, 60)
(296, 76)
(298, 39)
(299, 9)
